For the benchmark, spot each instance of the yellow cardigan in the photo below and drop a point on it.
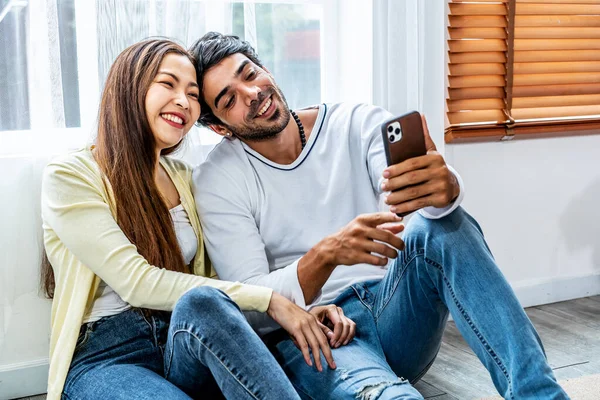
(85, 245)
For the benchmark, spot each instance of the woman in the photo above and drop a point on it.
(123, 238)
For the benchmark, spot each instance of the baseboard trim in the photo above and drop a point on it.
(23, 379)
(546, 291)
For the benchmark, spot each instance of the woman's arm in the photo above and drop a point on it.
(75, 207)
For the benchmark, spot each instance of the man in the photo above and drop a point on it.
(290, 202)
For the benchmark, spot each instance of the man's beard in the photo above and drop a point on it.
(257, 133)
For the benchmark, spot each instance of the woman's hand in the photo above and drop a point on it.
(304, 328)
(332, 316)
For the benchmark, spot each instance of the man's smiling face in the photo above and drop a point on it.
(245, 98)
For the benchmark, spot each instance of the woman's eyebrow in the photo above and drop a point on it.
(192, 83)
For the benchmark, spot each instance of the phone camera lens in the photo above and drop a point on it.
(390, 129)
(392, 138)
(397, 131)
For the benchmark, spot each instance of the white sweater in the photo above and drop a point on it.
(260, 218)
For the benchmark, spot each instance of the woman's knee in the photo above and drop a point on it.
(205, 300)
(121, 381)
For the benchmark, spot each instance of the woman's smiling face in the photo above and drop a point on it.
(172, 105)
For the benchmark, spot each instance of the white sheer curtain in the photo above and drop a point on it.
(409, 59)
(54, 56)
(35, 86)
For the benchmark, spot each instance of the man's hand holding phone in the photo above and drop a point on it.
(420, 182)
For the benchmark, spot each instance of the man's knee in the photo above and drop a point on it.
(458, 224)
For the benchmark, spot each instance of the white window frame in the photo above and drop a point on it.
(346, 59)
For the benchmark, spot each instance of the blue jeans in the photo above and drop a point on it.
(204, 348)
(445, 267)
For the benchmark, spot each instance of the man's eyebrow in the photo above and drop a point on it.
(221, 94)
(241, 68)
(192, 83)
(226, 88)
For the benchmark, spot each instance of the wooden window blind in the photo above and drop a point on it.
(522, 67)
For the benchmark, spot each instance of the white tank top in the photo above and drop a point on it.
(107, 302)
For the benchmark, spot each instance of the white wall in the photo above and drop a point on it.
(24, 315)
(538, 202)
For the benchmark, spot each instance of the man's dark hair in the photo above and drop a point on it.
(210, 50)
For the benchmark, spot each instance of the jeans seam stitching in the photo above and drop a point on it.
(410, 258)
(469, 321)
(424, 371)
(146, 320)
(167, 367)
(361, 300)
(86, 337)
(215, 356)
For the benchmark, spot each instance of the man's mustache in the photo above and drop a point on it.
(255, 104)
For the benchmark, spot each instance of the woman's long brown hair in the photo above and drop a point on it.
(125, 152)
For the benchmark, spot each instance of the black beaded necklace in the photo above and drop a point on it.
(300, 128)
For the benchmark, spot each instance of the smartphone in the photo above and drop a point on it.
(403, 138)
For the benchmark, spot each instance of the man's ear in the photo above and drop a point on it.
(221, 130)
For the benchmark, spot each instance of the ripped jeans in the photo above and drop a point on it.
(445, 268)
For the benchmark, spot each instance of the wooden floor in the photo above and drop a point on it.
(569, 330)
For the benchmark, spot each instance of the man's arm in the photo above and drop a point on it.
(355, 243)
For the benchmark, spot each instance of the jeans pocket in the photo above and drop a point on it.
(84, 335)
(86, 331)
(365, 292)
